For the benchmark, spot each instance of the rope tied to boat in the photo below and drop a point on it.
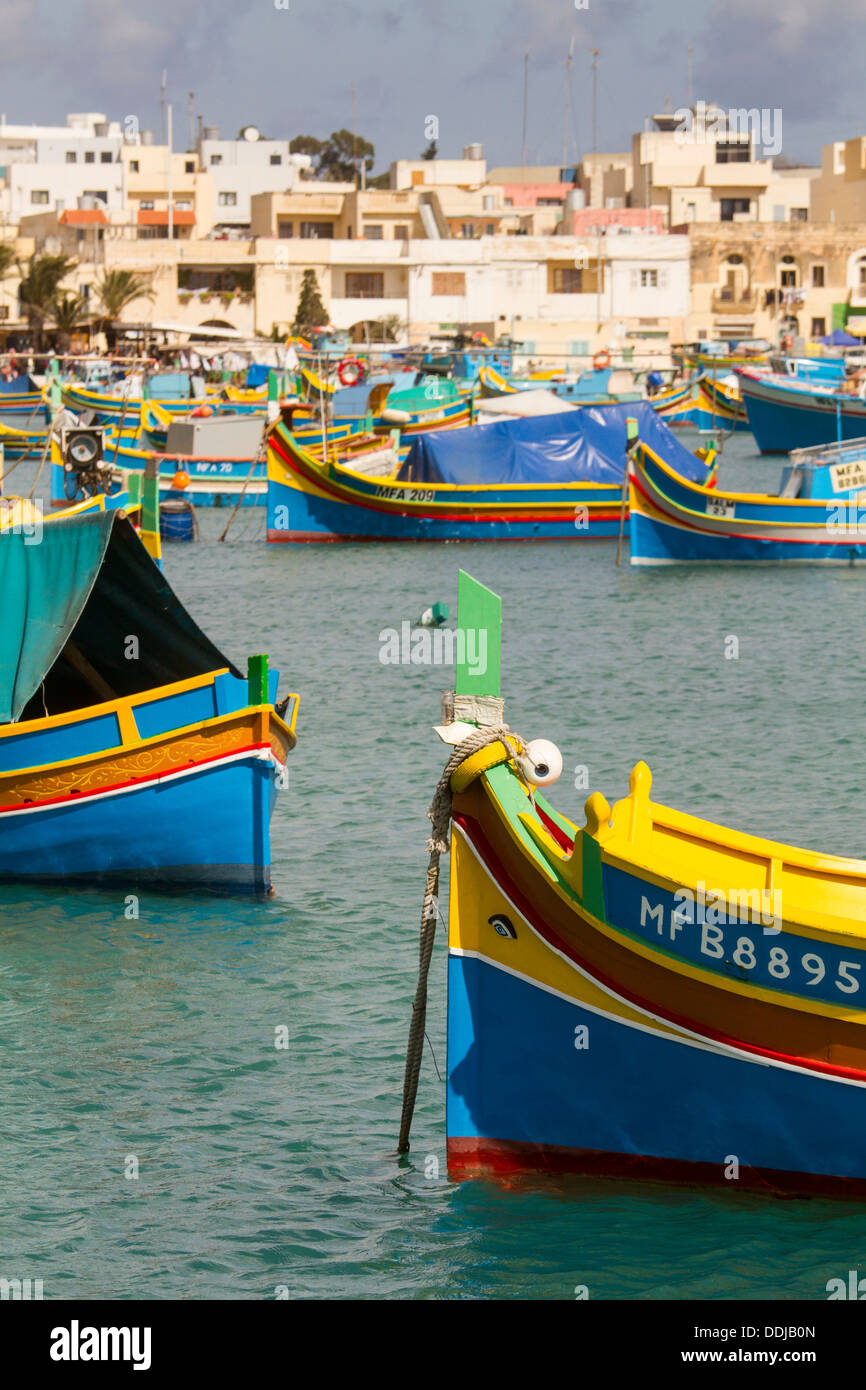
(437, 845)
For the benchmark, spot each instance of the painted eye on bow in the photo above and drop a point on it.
(541, 763)
(502, 925)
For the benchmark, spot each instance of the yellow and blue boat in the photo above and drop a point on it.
(131, 750)
(552, 477)
(817, 517)
(647, 994)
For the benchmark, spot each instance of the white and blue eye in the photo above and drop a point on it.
(541, 763)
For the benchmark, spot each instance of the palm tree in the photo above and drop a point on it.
(116, 290)
(40, 280)
(69, 313)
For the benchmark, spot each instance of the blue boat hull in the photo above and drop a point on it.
(634, 1101)
(294, 515)
(208, 828)
(656, 542)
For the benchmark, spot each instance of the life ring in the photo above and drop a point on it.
(350, 371)
(601, 360)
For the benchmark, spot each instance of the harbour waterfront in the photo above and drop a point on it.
(264, 1168)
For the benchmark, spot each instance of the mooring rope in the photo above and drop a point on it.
(440, 815)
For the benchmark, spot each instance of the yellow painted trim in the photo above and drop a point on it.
(53, 721)
(795, 1001)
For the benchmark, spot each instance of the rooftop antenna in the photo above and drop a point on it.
(595, 57)
(568, 63)
(354, 136)
(162, 103)
(690, 53)
(525, 104)
(191, 109)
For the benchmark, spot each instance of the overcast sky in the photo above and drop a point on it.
(291, 70)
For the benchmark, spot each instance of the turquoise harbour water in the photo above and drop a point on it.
(265, 1169)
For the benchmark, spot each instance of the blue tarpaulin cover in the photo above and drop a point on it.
(586, 445)
(257, 375)
(839, 338)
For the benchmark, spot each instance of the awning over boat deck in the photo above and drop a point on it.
(72, 602)
(522, 405)
(585, 445)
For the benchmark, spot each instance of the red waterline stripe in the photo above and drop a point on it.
(468, 1157)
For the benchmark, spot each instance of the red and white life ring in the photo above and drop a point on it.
(350, 371)
(601, 360)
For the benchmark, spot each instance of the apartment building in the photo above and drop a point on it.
(702, 166)
(805, 279)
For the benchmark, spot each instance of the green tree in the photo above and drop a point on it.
(306, 144)
(311, 312)
(40, 281)
(343, 155)
(431, 151)
(115, 291)
(70, 312)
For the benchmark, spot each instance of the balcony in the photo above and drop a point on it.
(728, 301)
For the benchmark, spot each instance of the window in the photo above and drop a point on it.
(216, 159)
(285, 229)
(134, 165)
(146, 205)
(316, 230)
(732, 207)
(819, 328)
(449, 282)
(788, 273)
(39, 195)
(183, 204)
(467, 229)
(862, 272)
(509, 202)
(364, 285)
(490, 229)
(373, 230)
(817, 278)
(548, 202)
(649, 279)
(732, 152)
(227, 200)
(276, 159)
(799, 214)
(567, 279)
(105, 157)
(691, 212)
(90, 158)
(71, 157)
(401, 232)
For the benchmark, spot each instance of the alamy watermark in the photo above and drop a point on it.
(709, 125)
(441, 646)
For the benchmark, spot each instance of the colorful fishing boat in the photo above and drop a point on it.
(719, 405)
(124, 405)
(22, 396)
(556, 477)
(648, 994)
(131, 750)
(787, 412)
(819, 515)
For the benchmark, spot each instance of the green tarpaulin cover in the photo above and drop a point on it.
(89, 579)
